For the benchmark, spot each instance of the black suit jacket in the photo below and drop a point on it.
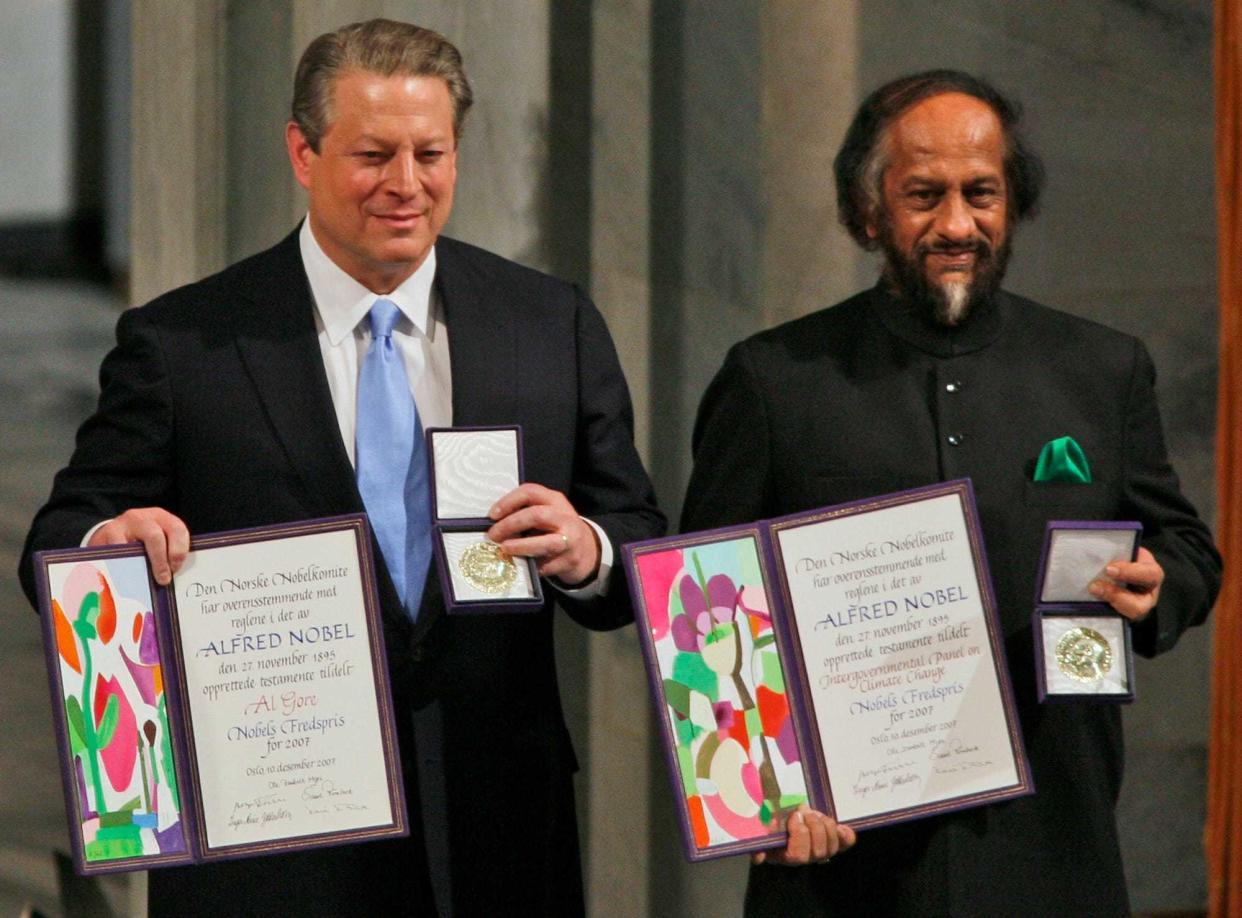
(866, 398)
(215, 406)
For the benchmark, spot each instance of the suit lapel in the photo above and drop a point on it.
(482, 344)
(276, 337)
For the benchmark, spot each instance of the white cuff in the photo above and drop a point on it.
(598, 586)
(90, 533)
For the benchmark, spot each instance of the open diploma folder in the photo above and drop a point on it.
(244, 710)
(847, 657)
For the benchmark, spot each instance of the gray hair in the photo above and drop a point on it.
(379, 46)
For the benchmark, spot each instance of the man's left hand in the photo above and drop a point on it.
(536, 522)
(1135, 586)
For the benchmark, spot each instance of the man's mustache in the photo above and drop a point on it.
(980, 247)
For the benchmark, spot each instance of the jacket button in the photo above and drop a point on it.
(954, 439)
(954, 386)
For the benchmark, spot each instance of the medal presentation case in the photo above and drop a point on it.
(472, 468)
(1083, 648)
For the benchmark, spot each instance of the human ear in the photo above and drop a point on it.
(300, 153)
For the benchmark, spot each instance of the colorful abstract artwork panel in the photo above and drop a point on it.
(115, 710)
(724, 689)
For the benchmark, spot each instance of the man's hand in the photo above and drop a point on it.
(165, 537)
(813, 839)
(1137, 589)
(536, 522)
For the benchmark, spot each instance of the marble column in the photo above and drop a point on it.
(810, 90)
(179, 117)
(264, 200)
(623, 767)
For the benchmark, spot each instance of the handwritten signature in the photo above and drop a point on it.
(335, 808)
(317, 788)
(947, 758)
(886, 768)
(322, 795)
(258, 811)
(951, 747)
(863, 788)
(258, 803)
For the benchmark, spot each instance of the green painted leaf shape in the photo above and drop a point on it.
(765, 640)
(675, 608)
(76, 723)
(689, 669)
(116, 819)
(89, 610)
(86, 631)
(677, 694)
(166, 756)
(107, 725)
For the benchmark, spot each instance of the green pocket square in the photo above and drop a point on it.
(1062, 459)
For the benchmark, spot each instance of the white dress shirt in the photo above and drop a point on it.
(420, 337)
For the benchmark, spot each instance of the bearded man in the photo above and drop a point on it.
(935, 374)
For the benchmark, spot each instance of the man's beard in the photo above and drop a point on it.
(951, 301)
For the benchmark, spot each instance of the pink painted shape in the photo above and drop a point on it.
(84, 578)
(704, 623)
(750, 781)
(736, 826)
(658, 570)
(90, 828)
(120, 755)
(755, 601)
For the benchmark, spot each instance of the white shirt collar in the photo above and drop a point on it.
(342, 302)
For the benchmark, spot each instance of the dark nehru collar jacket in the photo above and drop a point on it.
(868, 397)
(215, 405)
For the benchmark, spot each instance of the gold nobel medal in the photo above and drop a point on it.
(1084, 655)
(487, 567)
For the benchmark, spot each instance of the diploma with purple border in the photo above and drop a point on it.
(847, 657)
(243, 710)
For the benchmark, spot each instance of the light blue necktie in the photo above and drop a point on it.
(391, 457)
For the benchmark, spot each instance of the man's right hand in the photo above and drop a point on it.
(814, 838)
(166, 538)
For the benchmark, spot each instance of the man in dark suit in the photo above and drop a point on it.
(234, 402)
(937, 374)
